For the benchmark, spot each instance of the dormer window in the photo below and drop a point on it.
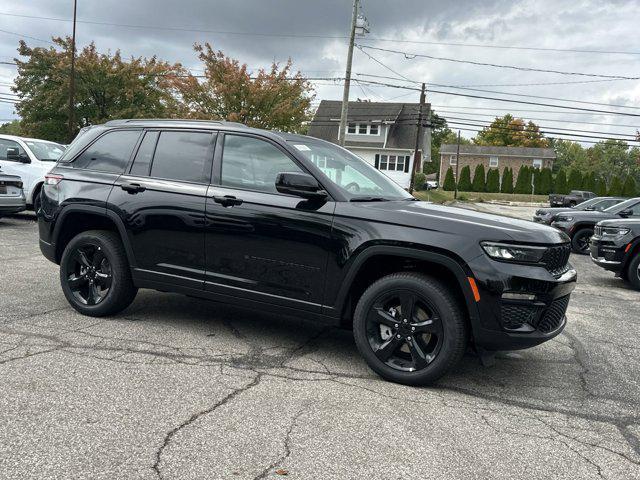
(363, 129)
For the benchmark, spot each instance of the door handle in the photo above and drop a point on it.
(227, 200)
(133, 188)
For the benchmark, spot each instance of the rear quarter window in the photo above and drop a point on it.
(109, 153)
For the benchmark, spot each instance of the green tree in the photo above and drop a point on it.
(449, 182)
(507, 181)
(479, 179)
(629, 188)
(13, 127)
(419, 181)
(560, 185)
(601, 187)
(612, 158)
(615, 188)
(568, 155)
(547, 181)
(589, 182)
(575, 180)
(523, 182)
(510, 131)
(464, 184)
(493, 180)
(107, 86)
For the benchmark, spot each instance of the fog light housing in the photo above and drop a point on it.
(518, 296)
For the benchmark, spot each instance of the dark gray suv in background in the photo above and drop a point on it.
(580, 225)
(547, 215)
(615, 246)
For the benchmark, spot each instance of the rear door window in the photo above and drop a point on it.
(185, 156)
(110, 153)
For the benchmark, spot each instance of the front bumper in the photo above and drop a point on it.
(545, 219)
(513, 324)
(607, 254)
(566, 227)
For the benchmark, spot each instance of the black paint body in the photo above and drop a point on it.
(291, 255)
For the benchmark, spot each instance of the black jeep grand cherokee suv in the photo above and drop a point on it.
(295, 225)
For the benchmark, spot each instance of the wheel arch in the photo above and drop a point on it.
(634, 250)
(37, 188)
(81, 218)
(377, 261)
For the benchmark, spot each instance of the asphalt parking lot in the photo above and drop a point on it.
(177, 387)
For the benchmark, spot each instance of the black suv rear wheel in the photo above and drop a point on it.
(95, 274)
(409, 328)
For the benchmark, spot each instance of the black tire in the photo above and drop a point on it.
(37, 201)
(633, 272)
(429, 294)
(580, 241)
(88, 292)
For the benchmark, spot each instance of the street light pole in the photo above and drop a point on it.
(72, 79)
(347, 77)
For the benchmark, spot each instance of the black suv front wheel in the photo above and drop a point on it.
(580, 241)
(95, 274)
(409, 328)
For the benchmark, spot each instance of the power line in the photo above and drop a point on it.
(489, 91)
(26, 36)
(337, 37)
(411, 56)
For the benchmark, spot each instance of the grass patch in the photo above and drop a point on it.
(441, 196)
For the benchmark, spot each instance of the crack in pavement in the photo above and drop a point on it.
(169, 436)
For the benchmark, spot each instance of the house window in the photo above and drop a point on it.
(393, 163)
(383, 162)
(400, 164)
(452, 160)
(363, 129)
(537, 163)
(493, 161)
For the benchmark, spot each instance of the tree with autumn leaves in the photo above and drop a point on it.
(509, 131)
(109, 86)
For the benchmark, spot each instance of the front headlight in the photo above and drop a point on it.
(513, 253)
(563, 218)
(614, 231)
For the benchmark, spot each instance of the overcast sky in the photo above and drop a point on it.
(579, 25)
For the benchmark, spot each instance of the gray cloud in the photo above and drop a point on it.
(587, 24)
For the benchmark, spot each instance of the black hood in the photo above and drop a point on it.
(632, 223)
(458, 221)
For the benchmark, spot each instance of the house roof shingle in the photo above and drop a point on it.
(499, 151)
(402, 117)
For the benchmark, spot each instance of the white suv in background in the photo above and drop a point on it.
(30, 159)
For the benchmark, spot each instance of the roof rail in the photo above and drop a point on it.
(171, 120)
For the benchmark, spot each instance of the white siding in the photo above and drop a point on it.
(369, 155)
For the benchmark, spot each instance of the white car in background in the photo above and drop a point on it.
(30, 159)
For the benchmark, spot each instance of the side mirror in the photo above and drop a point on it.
(626, 213)
(13, 154)
(300, 185)
(588, 209)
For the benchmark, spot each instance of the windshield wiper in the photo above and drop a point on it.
(369, 199)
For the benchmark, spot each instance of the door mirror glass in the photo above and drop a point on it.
(13, 154)
(626, 213)
(299, 184)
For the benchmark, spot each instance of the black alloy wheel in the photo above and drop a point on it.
(633, 272)
(404, 330)
(580, 241)
(88, 274)
(410, 328)
(95, 274)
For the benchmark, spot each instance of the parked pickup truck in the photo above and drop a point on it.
(571, 200)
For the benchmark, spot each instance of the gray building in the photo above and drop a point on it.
(383, 134)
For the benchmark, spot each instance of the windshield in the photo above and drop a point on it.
(588, 203)
(357, 179)
(45, 151)
(620, 207)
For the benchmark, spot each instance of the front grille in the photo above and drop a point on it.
(553, 316)
(598, 231)
(556, 259)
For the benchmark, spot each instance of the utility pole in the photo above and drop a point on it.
(347, 77)
(455, 193)
(72, 75)
(416, 150)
